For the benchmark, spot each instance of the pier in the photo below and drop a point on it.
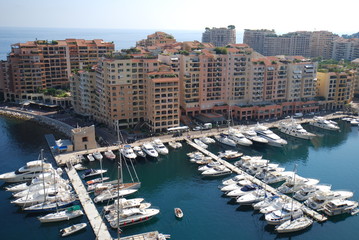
(313, 214)
(99, 227)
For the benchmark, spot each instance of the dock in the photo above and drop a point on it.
(313, 214)
(99, 227)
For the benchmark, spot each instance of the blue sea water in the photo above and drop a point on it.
(123, 38)
(173, 181)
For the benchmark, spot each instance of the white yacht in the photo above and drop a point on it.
(291, 186)
(242, 191)
(295, 225)
(90, 157)
(174, 144)
(233, 180)
(354, 122)
(286, 213)
(149, 150)
(131, 216)
(159, 146)
(69, 213)
(113, 194)
(216, 171)
(320, 122)
(234, 186)
(110, 155)
(31, 170)
(124, 203)
(229, 154)
(238, 137)
(138, 151)
(93, 172)
(265, 203)
(339, 206)
(128, 152)
(273, 177)
(40, 198)
(252, 135)
(223, 138)
(273, 139)
(307, 191)
(295, 130)
(207, 140)
(72, 229)
(209, 166)
(97, 156)
(320, 198)
(200, 143)
(253, 197)
(41, 188)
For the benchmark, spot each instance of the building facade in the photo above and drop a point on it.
(220, 37)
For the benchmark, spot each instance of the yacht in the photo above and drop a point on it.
(40, 198)
(339, 206)
(50, 206)
(31, 170)
(69, 213)
(265, 203)
(295, 225)
(216, 171)
(110, 155)
(207, 140)
(149, 150)
(233, 180)
(97, 156)
(243, 190)
(174, 144)
(72, 229)
(208, 166)
(138, 151)
(307, 191)
(124, 203)
(320, 198)
(252, 135)
(113, 194)
(160, 147)
(273, 177)
(234, 186)
(291, 186)
(238, 137)
(93, 172)
(276, 204)
(229, 154)
(41, 188)
(295, 130)
(131, 216)
(90, 157)
(223, 138)
(253, 197)
(128, 152)
(320, 122)
(288, 212)
(273, 139)
(200, 143)
(354, 122)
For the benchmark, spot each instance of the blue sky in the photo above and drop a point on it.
(281, 15)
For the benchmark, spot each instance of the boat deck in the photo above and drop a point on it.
(316, 216)
(99, 227)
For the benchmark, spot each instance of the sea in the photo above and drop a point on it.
(172, 180)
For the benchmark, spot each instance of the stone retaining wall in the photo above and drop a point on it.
(53, 123)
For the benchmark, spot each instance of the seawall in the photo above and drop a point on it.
(53, 123)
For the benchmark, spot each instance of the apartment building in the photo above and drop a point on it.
(37, 65)
(4, 68)
(347, 49)
(336, 88)
(220, 37)
(321, 44)
(157, 39)
(255, 38)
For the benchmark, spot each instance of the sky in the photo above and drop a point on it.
(281, 15)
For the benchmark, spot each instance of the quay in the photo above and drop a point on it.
(316, 216)
(99, 227)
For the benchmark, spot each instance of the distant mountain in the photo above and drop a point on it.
(354, 35)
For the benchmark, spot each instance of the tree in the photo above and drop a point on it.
(231, 27)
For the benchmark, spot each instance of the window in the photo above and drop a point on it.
(85, 139)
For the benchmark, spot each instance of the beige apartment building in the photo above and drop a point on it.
(336, 88)
(37, 65)
(220, 37)
(157, 39)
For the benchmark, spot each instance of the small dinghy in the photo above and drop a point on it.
(178, 213)
(72, 229)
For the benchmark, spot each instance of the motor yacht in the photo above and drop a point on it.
(294, 225)
(238, 137)
(321, 122)
(31, 170)
(110, 155)
(209, 166)
(97, 156)
(149, 150)
(113, 194)
(159, 146)
(243, 190)
(295, 130)
(320, 198)
(128, 152)
(252, 135)
(138, 151)
(200, 143)
(307, 191)
(265, 203)
(93, 172)
(253, 197)
(291, 186)
(234, 186)
(124, 203)
(207, 140)
(286, 213)
(273, 139)
(216, 171)
(90, 157)
(69, 213)
(174, 144)
(224, 139)
(229, 154)
(131, 216)
(339, 206)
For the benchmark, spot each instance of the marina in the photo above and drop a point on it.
(171, 157)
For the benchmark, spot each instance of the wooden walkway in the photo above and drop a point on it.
(98, 226)
(316, 216)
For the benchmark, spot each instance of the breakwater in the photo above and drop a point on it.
(23, 115)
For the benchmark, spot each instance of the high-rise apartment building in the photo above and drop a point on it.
(347, 49)
(321, 44)
(255, 38)
(220, 37)
(156, 39)
(37, 65)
